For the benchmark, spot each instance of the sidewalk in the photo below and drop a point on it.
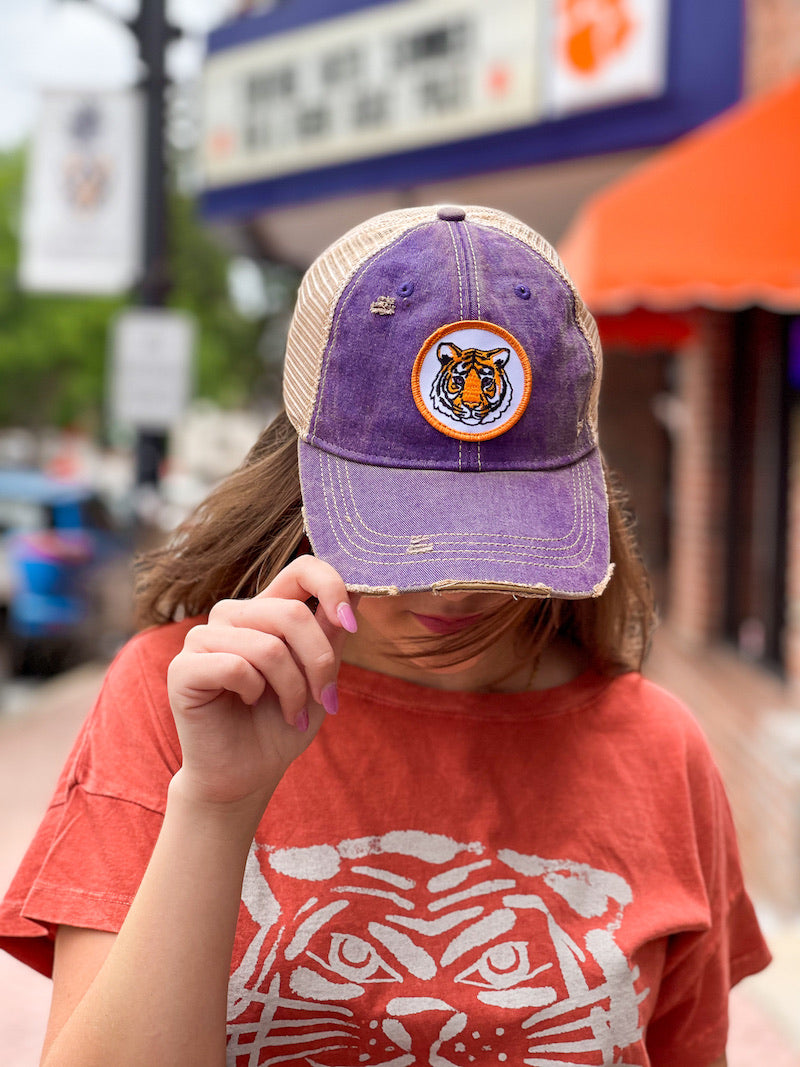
(34, 741)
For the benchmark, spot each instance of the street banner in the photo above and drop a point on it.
(606, 52)
(82, 219)
(151, 368)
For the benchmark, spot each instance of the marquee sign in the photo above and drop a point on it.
(393, 77)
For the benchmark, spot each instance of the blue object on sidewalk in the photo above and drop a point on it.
(53, 536)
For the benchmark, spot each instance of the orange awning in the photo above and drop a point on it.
(712, 221)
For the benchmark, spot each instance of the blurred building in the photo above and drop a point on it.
(655, 142)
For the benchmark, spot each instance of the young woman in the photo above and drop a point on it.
(382, 783)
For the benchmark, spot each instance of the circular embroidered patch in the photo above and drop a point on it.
(471, 380)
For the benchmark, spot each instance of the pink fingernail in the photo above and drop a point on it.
(330, 699)
(347, 618)
(301, 722)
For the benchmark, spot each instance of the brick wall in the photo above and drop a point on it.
(772, 51)
(748, 714)
(700, 484)
(636, 446)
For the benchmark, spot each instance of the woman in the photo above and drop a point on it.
(507, 846)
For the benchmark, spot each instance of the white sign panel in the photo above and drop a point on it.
(605, 52)
(82, 225)
(151, 367)
(395, 77)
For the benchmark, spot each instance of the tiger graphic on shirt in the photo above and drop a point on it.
(471, 385)
(412, 948)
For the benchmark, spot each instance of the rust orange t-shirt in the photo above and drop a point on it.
(442, 878)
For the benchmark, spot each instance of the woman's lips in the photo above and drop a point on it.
(441, 624)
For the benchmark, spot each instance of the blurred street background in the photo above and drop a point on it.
(167, 172)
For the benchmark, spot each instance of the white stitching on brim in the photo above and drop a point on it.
(395, 547)
(472, 536)
(536, 549)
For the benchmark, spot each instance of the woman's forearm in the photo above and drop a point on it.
(161, 994)
(247, 692)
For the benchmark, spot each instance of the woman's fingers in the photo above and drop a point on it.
(290, 622)
(245, 662)
(307, 577)
(272, 644)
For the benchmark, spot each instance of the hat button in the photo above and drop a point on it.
(450, 213)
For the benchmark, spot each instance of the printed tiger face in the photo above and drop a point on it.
(472, 385)
(415, 949)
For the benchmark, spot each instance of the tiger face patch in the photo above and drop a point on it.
(471, 380)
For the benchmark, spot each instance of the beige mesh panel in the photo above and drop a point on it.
(329, 275)
(323, 284)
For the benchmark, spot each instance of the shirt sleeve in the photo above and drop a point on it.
(689, 1024)
(87, 859)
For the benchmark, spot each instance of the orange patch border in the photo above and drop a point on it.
(470, 324)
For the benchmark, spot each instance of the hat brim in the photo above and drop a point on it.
(388, 531)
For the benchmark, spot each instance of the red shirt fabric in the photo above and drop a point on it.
(442, 878)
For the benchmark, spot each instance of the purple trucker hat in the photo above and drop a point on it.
(442, 374)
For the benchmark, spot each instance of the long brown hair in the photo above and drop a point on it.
(251, 526)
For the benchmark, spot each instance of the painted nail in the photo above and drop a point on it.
(347, 618)
(301, 722)
(330, 699)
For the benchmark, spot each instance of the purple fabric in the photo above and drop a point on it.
(414, 529)
(365, 410)
(394, 503)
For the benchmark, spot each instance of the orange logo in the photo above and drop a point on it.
(593, 32)
(471, 380)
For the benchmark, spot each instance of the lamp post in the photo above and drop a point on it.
(151, 282)
(153, 34)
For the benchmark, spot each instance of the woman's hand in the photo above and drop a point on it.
(251, 687)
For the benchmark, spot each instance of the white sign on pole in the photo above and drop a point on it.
(81, 230)
(606, 53)
(151, 367)
(389, 78)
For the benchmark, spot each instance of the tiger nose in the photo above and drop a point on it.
(428, 1022)
(472, 388)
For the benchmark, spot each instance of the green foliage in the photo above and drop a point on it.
(53, 349)
(228, 368)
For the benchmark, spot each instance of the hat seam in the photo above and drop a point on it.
(458, 237)
(406, 462)
(458, 270)
(475, 270)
